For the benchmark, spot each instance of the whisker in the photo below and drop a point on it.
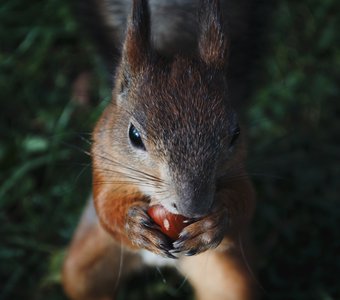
(184, 281)
(74, 147)
(85, 167)
(264, 175)
(121, 183)
(160, 273)
(87, 141)
(120, 268)
(128, 176)
(245, 260)
(130, 168)
(237, 177)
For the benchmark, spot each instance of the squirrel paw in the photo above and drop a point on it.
(204, 234)
(145, 233)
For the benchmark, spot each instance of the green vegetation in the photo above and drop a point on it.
(295, 144)
(294, 150)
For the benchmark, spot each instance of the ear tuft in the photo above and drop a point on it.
(137, 43)
(213, 44)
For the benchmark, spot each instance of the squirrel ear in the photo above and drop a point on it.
(213, 44)
(137, 43)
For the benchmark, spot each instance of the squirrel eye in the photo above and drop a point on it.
(235, 136)
(135, 138)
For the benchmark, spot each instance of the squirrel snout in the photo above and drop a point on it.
(195, 206)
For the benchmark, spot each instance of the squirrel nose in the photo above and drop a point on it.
(195, 205)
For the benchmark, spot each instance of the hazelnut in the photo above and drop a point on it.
(171, 224)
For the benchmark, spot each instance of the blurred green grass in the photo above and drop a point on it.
(294, 150)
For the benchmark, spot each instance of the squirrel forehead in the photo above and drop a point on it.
(183, 105)
(181, 87)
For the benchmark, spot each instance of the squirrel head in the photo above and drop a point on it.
(170, 128)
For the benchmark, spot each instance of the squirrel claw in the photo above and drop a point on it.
(175, 251)
(147, 234)
(150, 224)
(177, 245)
(191, 252)
(170, 255)
(200, 236)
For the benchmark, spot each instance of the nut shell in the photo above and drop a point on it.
(171, 224)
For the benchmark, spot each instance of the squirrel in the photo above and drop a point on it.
(171, 137)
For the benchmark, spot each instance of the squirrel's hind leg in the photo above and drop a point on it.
(95, 264)
(218, 275)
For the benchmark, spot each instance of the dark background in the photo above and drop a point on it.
(294, 150)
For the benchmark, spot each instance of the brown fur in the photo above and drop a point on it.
(213, 42)
(182, 109)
